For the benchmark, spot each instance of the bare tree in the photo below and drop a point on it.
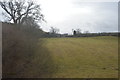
(78, 31)
(54, 30)
(86, 32)
(19, 11)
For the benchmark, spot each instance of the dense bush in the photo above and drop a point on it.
(22, 56)
(18, 48)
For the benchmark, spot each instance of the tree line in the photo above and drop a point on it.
(54, 32)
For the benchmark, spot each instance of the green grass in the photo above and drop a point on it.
(89, 57)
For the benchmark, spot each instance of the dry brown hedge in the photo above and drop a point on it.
(17, 50)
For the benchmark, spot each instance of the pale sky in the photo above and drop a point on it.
(87, 15)
(94, 16)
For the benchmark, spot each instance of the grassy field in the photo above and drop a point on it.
(93, 57)
(25, 55)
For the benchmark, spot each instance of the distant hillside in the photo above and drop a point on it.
(96, 34)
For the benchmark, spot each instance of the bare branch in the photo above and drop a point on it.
(19, 11)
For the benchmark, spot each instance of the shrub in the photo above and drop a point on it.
(18, 49)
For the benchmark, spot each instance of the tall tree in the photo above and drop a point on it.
(19, 11)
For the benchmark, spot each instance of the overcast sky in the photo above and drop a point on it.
(94, 16)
